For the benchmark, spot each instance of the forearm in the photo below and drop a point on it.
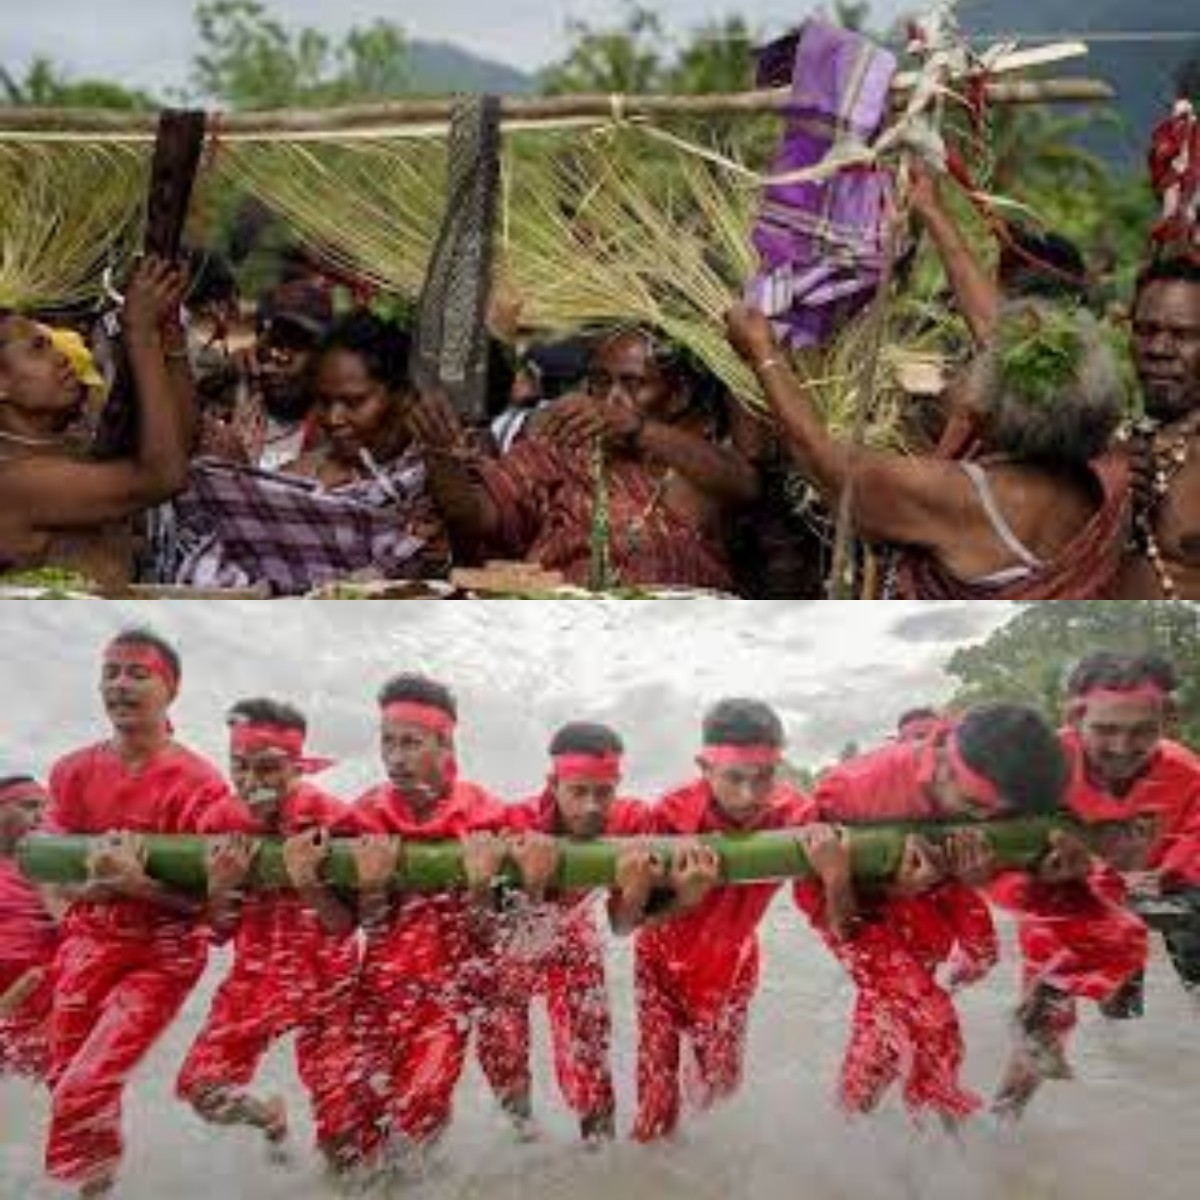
(977, 293)
(335, 917)
(161, 454)
(822, 459)
(179, 375)
(224, 910)
(626, 911)
(720, 473)
(374, 908)
(469, 513)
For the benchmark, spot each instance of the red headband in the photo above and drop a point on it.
(742, 756)
(21, 789)
(141, 654)
(1142, 691)
(246, 737)
(597, 768)
(436, 720)
(979, 787)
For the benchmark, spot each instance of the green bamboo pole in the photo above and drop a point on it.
(437, 866)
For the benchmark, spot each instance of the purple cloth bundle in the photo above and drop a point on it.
(821, 244)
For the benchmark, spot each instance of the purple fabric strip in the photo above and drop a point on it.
(820, 245)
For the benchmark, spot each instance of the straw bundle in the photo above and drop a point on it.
(68, 212)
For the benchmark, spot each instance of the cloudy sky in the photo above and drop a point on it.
(148, 43)
(836, 671)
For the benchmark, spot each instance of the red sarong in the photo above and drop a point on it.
(905, 1026)
(418, 976)
(125, 967)
(696, 974)
(28, 942)
(289, 975)
(555, 951)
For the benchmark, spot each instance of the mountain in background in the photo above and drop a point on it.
(442, 67)
(1144, 72)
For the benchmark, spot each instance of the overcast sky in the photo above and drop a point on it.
(520, 668)
(148, 43)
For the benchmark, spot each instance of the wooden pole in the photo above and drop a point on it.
(362, 119)
(437, 866)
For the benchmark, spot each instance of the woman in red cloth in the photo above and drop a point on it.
(28, 939)
(696, 972)
(914, 943)
(132, 949)
(295, 952)
(423, 953)
(547, 941)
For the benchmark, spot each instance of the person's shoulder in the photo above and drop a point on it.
(629, 817)
(1181, 760)
(76, 763)
(196, 766)
(682, 809)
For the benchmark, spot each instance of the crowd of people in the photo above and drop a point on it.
(388, 990)
(296, 451)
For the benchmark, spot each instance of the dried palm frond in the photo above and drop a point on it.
(69, 211)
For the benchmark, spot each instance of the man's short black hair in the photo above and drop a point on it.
(917, 714)
(7, 781)
(262, 710)
(419, 689)
(586, 737)
(141, 636)
(1015, 748)
(1168, 269)
(1110, 669)
(739, 722)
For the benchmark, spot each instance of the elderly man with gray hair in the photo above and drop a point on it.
(1033, 509)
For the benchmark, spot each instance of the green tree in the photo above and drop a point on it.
(1027, 659)
(44, 86)
(250, 59)
(624, 59)
(717, 57)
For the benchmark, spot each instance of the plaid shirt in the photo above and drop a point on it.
(245, 526)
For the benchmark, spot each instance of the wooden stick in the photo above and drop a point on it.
(532, 110)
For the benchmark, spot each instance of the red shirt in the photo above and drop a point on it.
(888, 784)
(28, 933)
(427, 941)
(703, 949)
(279, 937)
(93, 791)
(555, 930)
(1168, 791)
(892, 784)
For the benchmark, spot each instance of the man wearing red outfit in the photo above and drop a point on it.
(998, 760)
(548, 943)
(295, 952)
(423, 953)
(696, 972)
(28, 939)
(132, 948)
(1124, 768)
